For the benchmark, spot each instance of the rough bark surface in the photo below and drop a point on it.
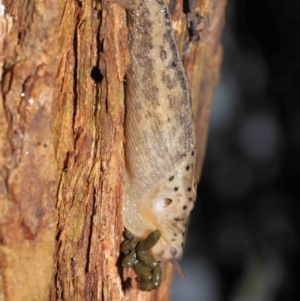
(28, 171)
(62, 66)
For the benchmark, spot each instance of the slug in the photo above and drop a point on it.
(160, 139)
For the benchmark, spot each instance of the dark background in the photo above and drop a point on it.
(243, 242)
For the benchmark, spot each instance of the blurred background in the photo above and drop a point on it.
(243, 242)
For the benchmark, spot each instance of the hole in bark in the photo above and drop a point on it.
(96, 75)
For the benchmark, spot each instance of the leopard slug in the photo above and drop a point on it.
(160, 139)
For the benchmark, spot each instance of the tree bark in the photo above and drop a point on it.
(28, 171)
(62, 66)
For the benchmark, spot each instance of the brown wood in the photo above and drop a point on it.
(61, 143)
(28, 171)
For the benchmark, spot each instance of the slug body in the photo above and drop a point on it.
(160, 139)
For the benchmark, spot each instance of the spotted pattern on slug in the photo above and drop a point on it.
(160, 188)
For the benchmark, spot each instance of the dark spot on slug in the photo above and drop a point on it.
(182, 244)
(167, 80)
(166, 36)
(189, 189)
(172, 44)
(171, 178)
(172, 101)
(193, 153)
(175, 234)
(176, 188)
(163, 54)
(182, 79)
(145, 27)
(145, 14)
(188, 167)
(166, 13)
(151, 91)
(184, 207)
(190, 199)
(174, 64)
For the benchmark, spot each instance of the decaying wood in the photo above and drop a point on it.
(61, 142)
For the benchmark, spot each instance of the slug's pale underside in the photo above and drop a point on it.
(160, 155)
